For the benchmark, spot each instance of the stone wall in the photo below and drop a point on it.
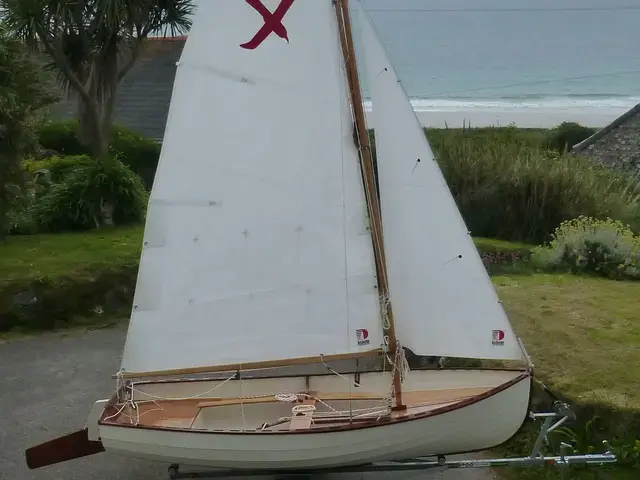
(616, 145)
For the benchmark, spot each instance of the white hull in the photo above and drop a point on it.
(451, 428)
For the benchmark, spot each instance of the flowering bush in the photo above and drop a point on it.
(605, 248)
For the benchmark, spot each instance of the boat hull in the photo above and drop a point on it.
(459, 427)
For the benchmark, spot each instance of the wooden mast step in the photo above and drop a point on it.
(371, 192)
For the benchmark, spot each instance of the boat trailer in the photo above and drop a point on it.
(535, 459)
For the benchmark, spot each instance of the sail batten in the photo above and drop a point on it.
(256, 247)
(443, 299)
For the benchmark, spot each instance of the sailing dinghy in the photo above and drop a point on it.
(270, 247)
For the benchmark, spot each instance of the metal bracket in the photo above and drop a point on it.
(536, 458)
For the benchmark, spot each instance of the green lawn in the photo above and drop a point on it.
(583, 334)
(31, 257)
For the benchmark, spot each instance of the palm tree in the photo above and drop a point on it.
(92, 45)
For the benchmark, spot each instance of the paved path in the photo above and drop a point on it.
(47, 386)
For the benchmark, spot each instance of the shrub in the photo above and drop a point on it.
(55, 168)
(139, 153)
(85, 196)
(513, 191)
(40, 176)
(563, 137)
(483, 135)
(19, 221)
(61, 136)
(585, 245)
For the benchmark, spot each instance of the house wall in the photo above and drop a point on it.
(143, 98)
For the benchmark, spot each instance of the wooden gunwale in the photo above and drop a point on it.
(398, 417)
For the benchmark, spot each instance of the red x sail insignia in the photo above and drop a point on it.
(272, 23)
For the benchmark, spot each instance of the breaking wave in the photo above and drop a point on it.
(519, 102)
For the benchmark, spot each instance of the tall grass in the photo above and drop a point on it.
(509, 186)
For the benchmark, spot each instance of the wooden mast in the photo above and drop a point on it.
(371, 192)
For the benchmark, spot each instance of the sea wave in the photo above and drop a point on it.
(520, 102)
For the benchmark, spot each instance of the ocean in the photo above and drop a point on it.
(534, 63)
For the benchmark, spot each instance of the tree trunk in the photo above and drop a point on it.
(84, 130)
(91, 117)
(106, 209)
(97, 102)
(92, 132)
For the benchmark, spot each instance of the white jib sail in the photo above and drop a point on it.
(256, 245)
(443, 300)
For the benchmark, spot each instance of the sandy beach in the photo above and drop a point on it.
(521, 117)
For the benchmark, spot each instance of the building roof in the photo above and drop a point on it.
(622, 119)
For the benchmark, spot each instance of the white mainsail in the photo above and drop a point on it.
(443, 301)
(256, 245)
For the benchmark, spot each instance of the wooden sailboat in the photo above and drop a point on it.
(269, 252)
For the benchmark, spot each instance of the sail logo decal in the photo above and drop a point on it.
(362, 335)
(272, 23)
(498, 338)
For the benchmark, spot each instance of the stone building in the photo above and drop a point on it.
(144, 95)
(617, 144)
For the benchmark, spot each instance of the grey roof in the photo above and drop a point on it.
(144, 95)
(580, 147)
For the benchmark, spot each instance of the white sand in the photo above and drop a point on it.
(525, 117)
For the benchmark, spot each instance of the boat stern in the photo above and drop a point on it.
(93, 426)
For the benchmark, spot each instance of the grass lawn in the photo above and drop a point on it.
(31, 257)
(583, 334)
(493, 245)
